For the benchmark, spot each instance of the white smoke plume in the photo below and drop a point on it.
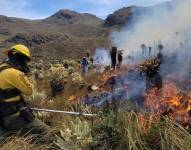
(102, 58)
(169, 25)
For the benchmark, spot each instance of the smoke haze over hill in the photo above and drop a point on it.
(169, 24)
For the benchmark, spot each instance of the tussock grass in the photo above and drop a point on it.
(126, 130)
(114, 129)
(20, 143)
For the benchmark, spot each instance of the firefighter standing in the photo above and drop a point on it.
(113, 54)
(15, 114)
(150, 50)
(84, 65)
(120, 59)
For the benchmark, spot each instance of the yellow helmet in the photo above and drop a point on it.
(22, 49)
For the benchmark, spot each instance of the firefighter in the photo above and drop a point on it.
(91, 63)
(150, 50)
(84, 65)
(15, 113)
(88, 54)
(120, 59)
(89, 59)
(160, 57)
(113, 54)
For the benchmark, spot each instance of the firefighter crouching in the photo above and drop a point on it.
(15, 114)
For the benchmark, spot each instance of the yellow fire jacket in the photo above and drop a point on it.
(12, 78)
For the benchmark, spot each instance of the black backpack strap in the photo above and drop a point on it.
(8, 93)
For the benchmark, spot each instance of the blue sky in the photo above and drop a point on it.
(38, 9)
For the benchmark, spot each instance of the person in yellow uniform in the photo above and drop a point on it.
(15, 114)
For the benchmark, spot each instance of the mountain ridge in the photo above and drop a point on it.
(66, 33)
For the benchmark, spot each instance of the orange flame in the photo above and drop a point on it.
(169, 101)
(72, 98)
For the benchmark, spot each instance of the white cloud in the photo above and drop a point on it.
(17, 8)
(101, 8)
(147, 2)
(105, 2)
(125, 2)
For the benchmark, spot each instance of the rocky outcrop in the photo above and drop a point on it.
(5, 31)
(32, 39)
(125, 15)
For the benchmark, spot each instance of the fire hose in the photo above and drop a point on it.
(65, 112)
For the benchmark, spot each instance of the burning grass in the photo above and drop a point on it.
(111, 130)
(170, 101)
(162, 124)
(127, 130)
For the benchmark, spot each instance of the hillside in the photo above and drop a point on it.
(127, 15)
(65, 34)
(66, 17)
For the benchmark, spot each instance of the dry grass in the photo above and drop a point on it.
(111, 130)
(119, 130)
(126, 130)
(19, 143)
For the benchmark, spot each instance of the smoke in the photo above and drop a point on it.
(168, 24)
(102, 58)
(165, 23)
